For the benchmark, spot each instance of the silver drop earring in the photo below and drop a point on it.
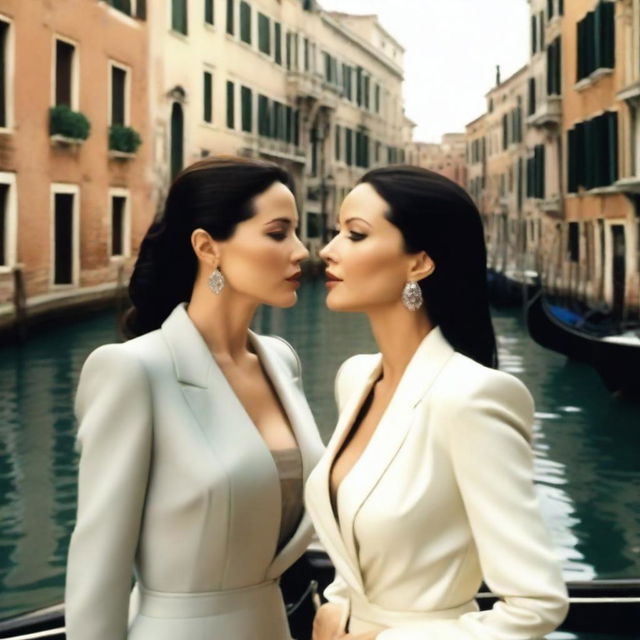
(216, 281)
(412, 296)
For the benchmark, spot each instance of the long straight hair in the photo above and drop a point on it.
(437, 216)
(214, 194)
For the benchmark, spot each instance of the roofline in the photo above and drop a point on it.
(484, 115)
(370, 15)
(509, 79)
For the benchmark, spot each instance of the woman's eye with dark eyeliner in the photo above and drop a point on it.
(356, 237)
(277, 235)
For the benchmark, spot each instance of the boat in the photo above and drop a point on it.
(608, 607)
(510, 288)
(614, 355)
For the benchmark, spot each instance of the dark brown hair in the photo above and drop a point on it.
(214, 194)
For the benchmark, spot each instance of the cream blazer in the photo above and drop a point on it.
(441, 498)
(176, 484)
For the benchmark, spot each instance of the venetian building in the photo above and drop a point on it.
(475, 136)
(595, 255)
(317, 92)
(506, 158)
(74, 197)
(543, 112)
(447, 158)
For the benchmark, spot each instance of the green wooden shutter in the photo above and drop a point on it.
(208, 11)
(246, 98)
(337, 142)
(263, 118)
(245, 22)
(208, 92)
(534, 35)
(541, 18)
(572, 186)
(278, 43)
(230, 10)
(177, 139)
(289, 124)
(348, 145)
(288, 50)
(612, 147)
(608, 34)
(230, 105)
(264, 34)
(179, 16)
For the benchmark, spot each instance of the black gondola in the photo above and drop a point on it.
(615, 357)
(602, 609)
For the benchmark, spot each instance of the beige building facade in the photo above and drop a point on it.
(317, 92)
(74, 198)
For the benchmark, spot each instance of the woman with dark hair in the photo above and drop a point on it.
(426, 486)
(195, 435)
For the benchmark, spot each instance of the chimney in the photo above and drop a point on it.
(497, 75)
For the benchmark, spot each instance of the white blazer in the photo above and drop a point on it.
(176, 482)
(441, 497)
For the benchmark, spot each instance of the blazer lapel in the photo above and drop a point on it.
(317, 494)
(306, 433)
(425, 365)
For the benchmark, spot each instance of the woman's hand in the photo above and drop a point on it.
(326, 624)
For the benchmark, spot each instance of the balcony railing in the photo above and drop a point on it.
(548, 113)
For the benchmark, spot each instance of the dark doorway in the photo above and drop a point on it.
(63, 238)
(177, 139)
(618, 269)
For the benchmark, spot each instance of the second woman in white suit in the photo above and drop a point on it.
(195, 436)
(426, 486)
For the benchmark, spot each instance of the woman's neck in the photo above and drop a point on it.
(223, 321)
(398, 332)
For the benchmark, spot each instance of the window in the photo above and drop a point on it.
(306, 54)
(534, 35)
(337, 142)
(264, 34)
(550, 9)
(246, 99)
(541, 30)
(4, 68)
(230, 105)
(208, 11)
(118, 95)
(230, 10)
(346, 81)
(532, 97)
(278, 42)
(536, 173)
(593, 152)
(348, 146)
(8, 219)
(65, 233)
(596, 40)
(134, 8)
(505, 131)
(359, 86)
(264, 119)
(177, 139)
(573, 241)
(554, 69)
(65, 54)
(4, 224)
(119, 223)
(207, 106)
(245, 22)
(376, 99)
(179, 16)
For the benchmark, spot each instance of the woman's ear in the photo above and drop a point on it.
(206, 248)
(420, 267)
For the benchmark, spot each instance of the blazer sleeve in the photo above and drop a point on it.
(487, 439)
(113, 407)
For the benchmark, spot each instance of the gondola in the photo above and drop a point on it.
(603, 609)
(616, 357)
(511, 288)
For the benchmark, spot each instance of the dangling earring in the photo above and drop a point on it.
(412, 296)
(216, 281)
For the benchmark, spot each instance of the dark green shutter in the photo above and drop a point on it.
(208, 11)
(230, 10)
(263, 117)
(534, 35)
(542, 43)
(611, 153)
(208, 102)
(337, 142)
(4, 192)
(230, 105)
(179, 16)
(296, 127)
(608, 34)
(141, 9)
(348, 145)
(177, 139)
(289, 124)
(288, 50)
(572, 181)
(246, 99)
(359, 86)
(278, 43)
(264, 35)
(245, 22)
(532, 96)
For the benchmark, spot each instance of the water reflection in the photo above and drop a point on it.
(586, 443)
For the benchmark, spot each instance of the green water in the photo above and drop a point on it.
(586, 444)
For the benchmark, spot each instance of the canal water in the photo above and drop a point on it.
(586, 443)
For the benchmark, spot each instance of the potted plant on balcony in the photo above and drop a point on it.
(123, 141)
(67, 126)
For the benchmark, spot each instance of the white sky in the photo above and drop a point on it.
(451, 50)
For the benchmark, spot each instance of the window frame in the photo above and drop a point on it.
(127, 92)
(120, 192)
(73, 189)
(11, 222)
(75, 70)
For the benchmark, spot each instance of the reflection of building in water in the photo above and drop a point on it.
(74, 196)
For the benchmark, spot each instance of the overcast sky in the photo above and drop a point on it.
(451, 50)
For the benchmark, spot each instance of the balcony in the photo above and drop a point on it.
(273, 148)
(548, 114)
(630, 93)
(306, 84)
